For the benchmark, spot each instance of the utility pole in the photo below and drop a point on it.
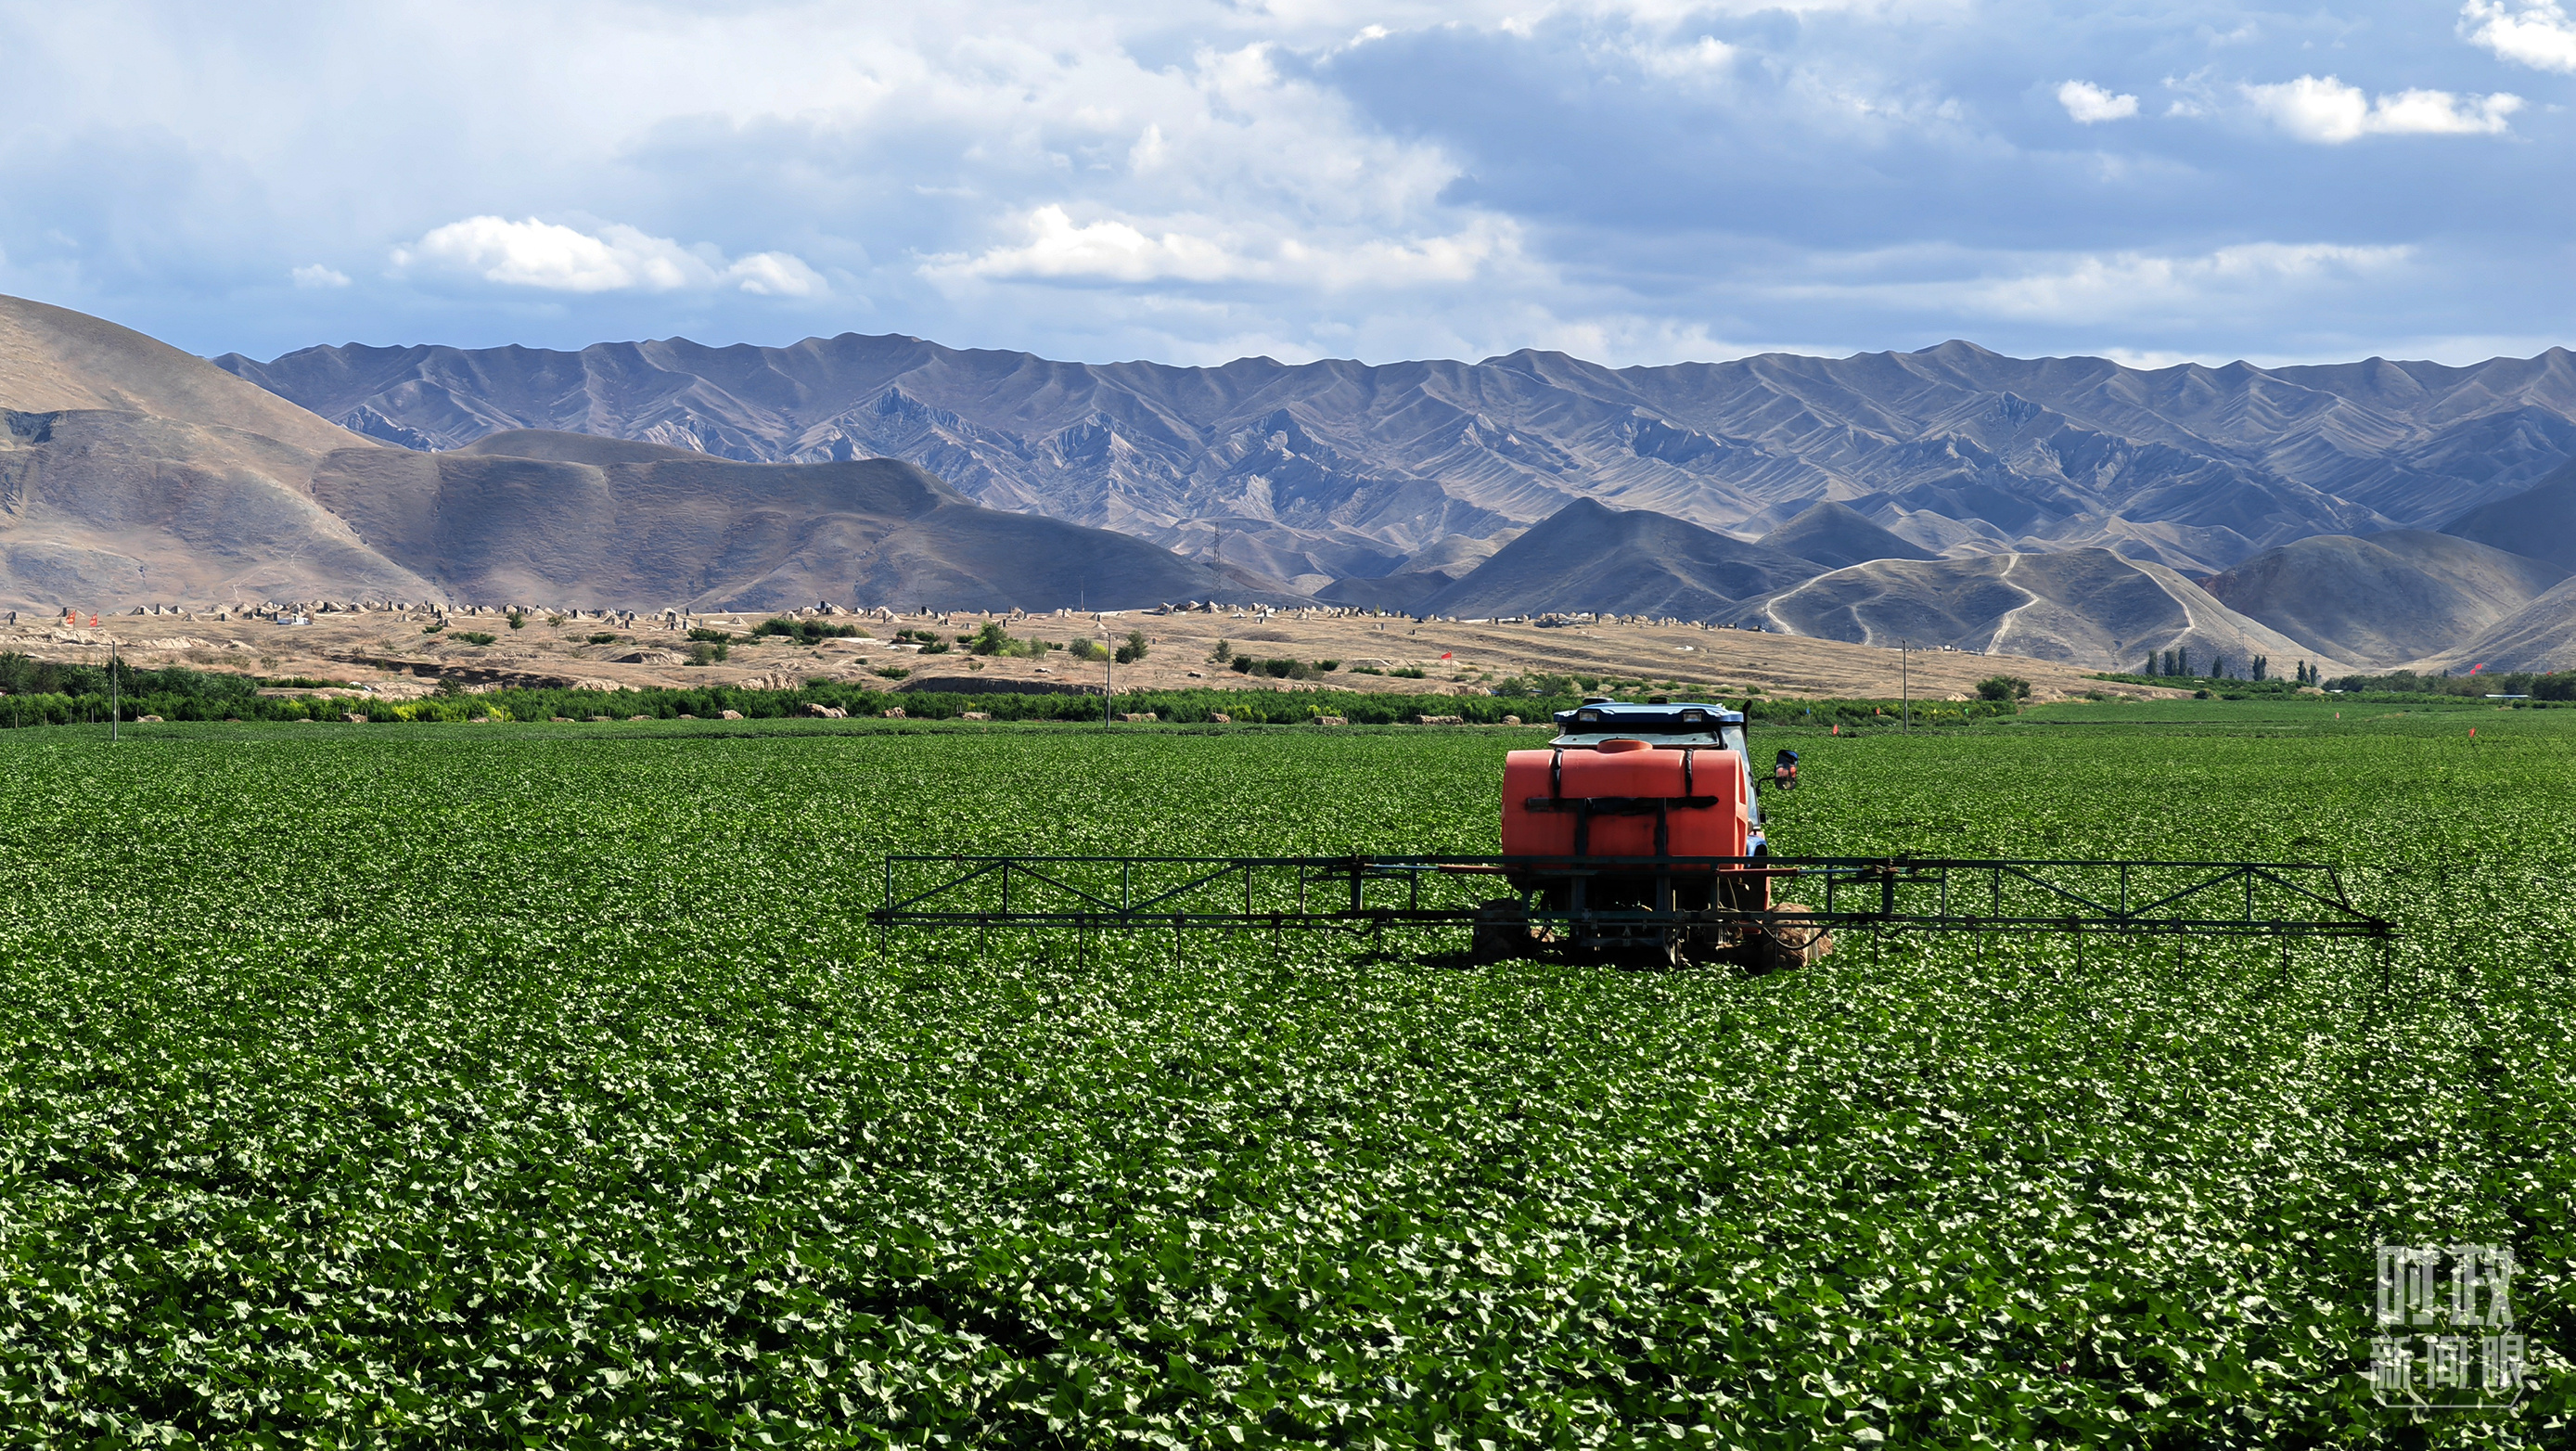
(115, 712)
(1108, 684)
(1905, 685)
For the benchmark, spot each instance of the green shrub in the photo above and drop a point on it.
(518, 620)
(994, 640)
(2003, 687)
(476, 637)
(712, 637)
(807, 632)
(1133, 649)
(604, 637)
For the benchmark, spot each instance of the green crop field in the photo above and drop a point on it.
(543, 1086)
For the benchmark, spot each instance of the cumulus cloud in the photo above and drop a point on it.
(614, 258)
(1639, 180)
(2325, 110)
(318, 275)
(1107, 250)
(2089, 103)
(2537, 34)
(1196, 250)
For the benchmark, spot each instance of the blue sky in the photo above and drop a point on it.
(1639, 182)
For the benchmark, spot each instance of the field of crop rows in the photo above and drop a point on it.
(526, 1086)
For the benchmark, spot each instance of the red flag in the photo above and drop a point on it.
(93, 622)
(2474, 669)
(2473, 732)
(1838, 730)
(1444, 654)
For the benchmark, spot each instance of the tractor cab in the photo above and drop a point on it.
(1665, 726)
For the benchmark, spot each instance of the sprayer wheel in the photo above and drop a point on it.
(1789, 944)
(1501, 931)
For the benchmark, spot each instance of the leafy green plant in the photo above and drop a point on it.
(1408, 672)
(464, 1135)
(432, 629)
(475, 637)
(707, 652)
(1132, 648)
(892, 672)
(603, 637)
(705, 636)
(518, 620)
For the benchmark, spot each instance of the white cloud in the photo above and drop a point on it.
(318, 275)
(2124, 283)
(1109, 251)
(2089, 103)
(2539, 34)
(1704, 57)
(773, 274)
(2325, 110)
(1196, 250)
(615, 258)
(2093, 289)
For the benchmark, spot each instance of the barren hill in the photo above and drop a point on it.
(54, 360)
(2385, 599)
(2539, 636)
(1588, 558)
(577, 520)
(1833, 535)
(132, 473)
(2539, 521)
(2089, 607)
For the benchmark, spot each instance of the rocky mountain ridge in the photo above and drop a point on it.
(1339, 470)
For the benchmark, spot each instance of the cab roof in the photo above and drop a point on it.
(1681, 718)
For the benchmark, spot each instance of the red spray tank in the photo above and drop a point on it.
(1627, 797)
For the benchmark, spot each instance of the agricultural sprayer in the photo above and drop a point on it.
(1635, 835)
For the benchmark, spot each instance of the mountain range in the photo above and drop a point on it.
(2369, 514)
(1336, 470)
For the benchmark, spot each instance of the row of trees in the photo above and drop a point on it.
(187, 695)
(2178, 664)
(2559, 685)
